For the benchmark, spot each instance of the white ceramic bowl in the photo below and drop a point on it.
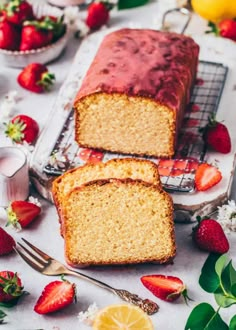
(20, 59)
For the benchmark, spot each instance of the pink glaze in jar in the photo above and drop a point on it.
(14, 175)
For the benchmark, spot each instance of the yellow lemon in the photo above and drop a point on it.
(215, 10)
(122, 317)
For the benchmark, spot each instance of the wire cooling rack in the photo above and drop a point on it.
(177, 174)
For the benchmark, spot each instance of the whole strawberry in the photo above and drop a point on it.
(10, 287)
(209, 236)
(55, 296)
(206, 177)
(10, 36)
(98, 14)
(22, 128)
(18, 11)
(216, 136)
(21, 213)
(37, 34)
(227, 29)
(36, 78)
(168, 288)
(7, 242)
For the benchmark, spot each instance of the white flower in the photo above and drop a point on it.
(58, 160)
(8, 104)
(227, 216)
(34, 200)
(88, 316)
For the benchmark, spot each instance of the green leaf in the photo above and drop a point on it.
(125, 4)
(209, 279)
(232, 325)
(220, 264)
(228, 277)
(233, 290)
(204, 317)
(2, 316)
(223, 300)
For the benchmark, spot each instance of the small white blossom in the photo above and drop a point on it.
(58, 160)
(34, 200)
(8, 104)
(88, 316)
(71, 16)
(227, 216)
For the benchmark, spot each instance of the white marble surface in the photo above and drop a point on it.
(44, 232)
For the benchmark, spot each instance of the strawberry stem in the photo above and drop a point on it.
(15, 130)
(47, 80)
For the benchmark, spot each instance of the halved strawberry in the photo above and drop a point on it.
(168, 288)
(55, 296)
(207, 176)
(22, 213)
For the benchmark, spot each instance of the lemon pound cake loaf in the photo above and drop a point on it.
(133, 97)
(115, 168)
(118, 222)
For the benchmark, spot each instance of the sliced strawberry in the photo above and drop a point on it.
(55, 296)
(168, 288)
(22, 213)
(22, 128)
(7, 242)
(206, 176)
(209, 236)
(10, 287)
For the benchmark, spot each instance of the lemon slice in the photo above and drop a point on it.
(122, 317)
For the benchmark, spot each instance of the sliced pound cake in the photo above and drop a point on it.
(118, 222)
(116, 168)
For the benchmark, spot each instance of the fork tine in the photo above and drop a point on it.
(28, 260)
(40, 252)
(40, 261)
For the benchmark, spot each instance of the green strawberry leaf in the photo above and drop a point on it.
(209, 279)
(204, 317)
(124, 4)
(2, 316)
(232, 325)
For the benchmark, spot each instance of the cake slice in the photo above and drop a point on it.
(116, 168)
(111, 221)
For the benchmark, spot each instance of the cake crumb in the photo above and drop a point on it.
(88, 316)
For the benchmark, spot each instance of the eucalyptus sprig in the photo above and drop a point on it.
(218, 276)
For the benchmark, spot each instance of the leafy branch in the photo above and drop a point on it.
(218, 276)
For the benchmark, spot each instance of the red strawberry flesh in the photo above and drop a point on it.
(168, 288)
(7, 242)
(55, 296)
(22, 213)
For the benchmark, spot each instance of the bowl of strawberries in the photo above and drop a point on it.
(30, 32)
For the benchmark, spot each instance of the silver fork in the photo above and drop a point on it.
(47, 265)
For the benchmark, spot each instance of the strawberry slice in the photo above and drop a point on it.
(7, 242)
(168, 288)
(55, 296)
(21, 213)
(207, 176)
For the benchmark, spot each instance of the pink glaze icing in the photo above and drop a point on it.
(149, 63)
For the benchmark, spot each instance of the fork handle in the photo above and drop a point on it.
(147, 305)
